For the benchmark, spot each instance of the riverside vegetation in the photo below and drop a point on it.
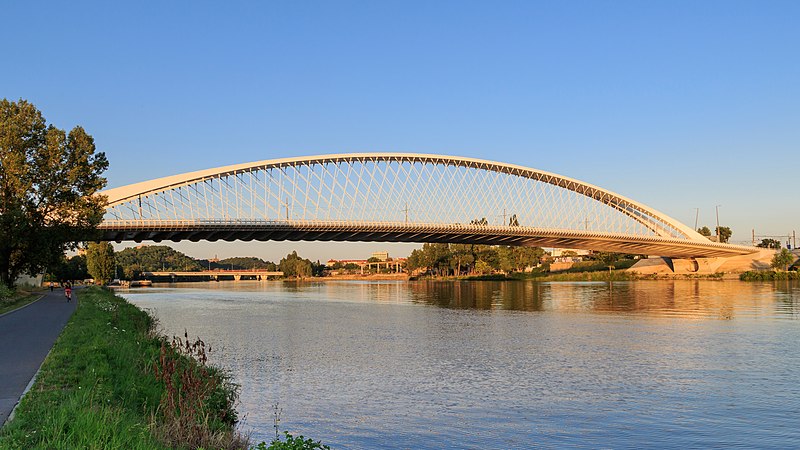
(111, 382)
(11, 299)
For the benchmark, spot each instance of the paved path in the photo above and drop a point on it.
(26, 336)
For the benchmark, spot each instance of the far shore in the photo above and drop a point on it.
(620, 275)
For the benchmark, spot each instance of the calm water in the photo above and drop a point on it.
(504, 364)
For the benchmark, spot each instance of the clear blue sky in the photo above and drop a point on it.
(679, 105)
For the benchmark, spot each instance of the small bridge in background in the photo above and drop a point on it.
(215, 274)
(396, 197)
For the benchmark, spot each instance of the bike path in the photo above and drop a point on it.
(26, 336)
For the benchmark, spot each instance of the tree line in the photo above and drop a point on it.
(101, 263)
(467, 259)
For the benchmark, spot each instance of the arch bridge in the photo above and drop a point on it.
(396, 197)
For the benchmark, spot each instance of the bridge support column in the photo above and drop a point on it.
(237, 277)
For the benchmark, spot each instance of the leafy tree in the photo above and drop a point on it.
(782, 260)
(724, 234)
(295, 266)
(482, 267)
(524, 257)
(373, 259)
(461, 255)
(607, 258)
(414, 260)
(481, 221)
(488, 254)
(705, 231)
(505, 255)
(770, 243)
(70, 269)
(318, 269)
(569, 254)
(100, 261)
(48, 182)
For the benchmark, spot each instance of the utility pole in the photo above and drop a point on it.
(794, 240)
(717, 208)
(696, 217)
(754, 237)
(405, 210)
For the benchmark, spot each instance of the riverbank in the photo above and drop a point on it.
(614, 275)
(104, 386)
(770, 275)
(18, 299)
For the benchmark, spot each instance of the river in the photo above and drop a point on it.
(443, 364)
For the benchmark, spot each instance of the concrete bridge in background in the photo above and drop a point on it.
(215, 274)
(397, 197)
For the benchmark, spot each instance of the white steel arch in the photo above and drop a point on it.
(404, 191)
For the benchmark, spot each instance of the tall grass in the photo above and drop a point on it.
(11, 299)
(769, 275)
(98, 390)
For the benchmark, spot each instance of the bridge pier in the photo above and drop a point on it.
(237, 277)
(758, 260)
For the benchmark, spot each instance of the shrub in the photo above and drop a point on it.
(5, 292)
(197, 406)
(292, 443)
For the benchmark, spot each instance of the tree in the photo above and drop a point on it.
(295, 266)
(461, 255)
(724, 234)
(782, 259)
(607, 258)
(100, 261)
(770, 243)
(48, 182)
(705, 231)
(70, 269)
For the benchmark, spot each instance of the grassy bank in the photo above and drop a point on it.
(769, 275)
(605, 275)
(11, 300)
(111, 383)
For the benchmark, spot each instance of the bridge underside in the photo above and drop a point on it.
(404, 232)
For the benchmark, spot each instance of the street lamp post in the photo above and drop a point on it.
(717, 208)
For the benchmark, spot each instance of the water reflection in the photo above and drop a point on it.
(439, 364)
(685, 298)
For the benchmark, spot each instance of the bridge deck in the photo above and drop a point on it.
(214, 273)
(248, 230)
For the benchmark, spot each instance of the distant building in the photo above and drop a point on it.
(393, 265)
(559, 252)
(381, 256)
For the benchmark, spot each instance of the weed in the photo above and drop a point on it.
(197, 404)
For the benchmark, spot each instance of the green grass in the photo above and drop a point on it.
(98, 389)
(769, 275)
(591, 276)
(18, 300)
(595, 266)
(94, 390)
